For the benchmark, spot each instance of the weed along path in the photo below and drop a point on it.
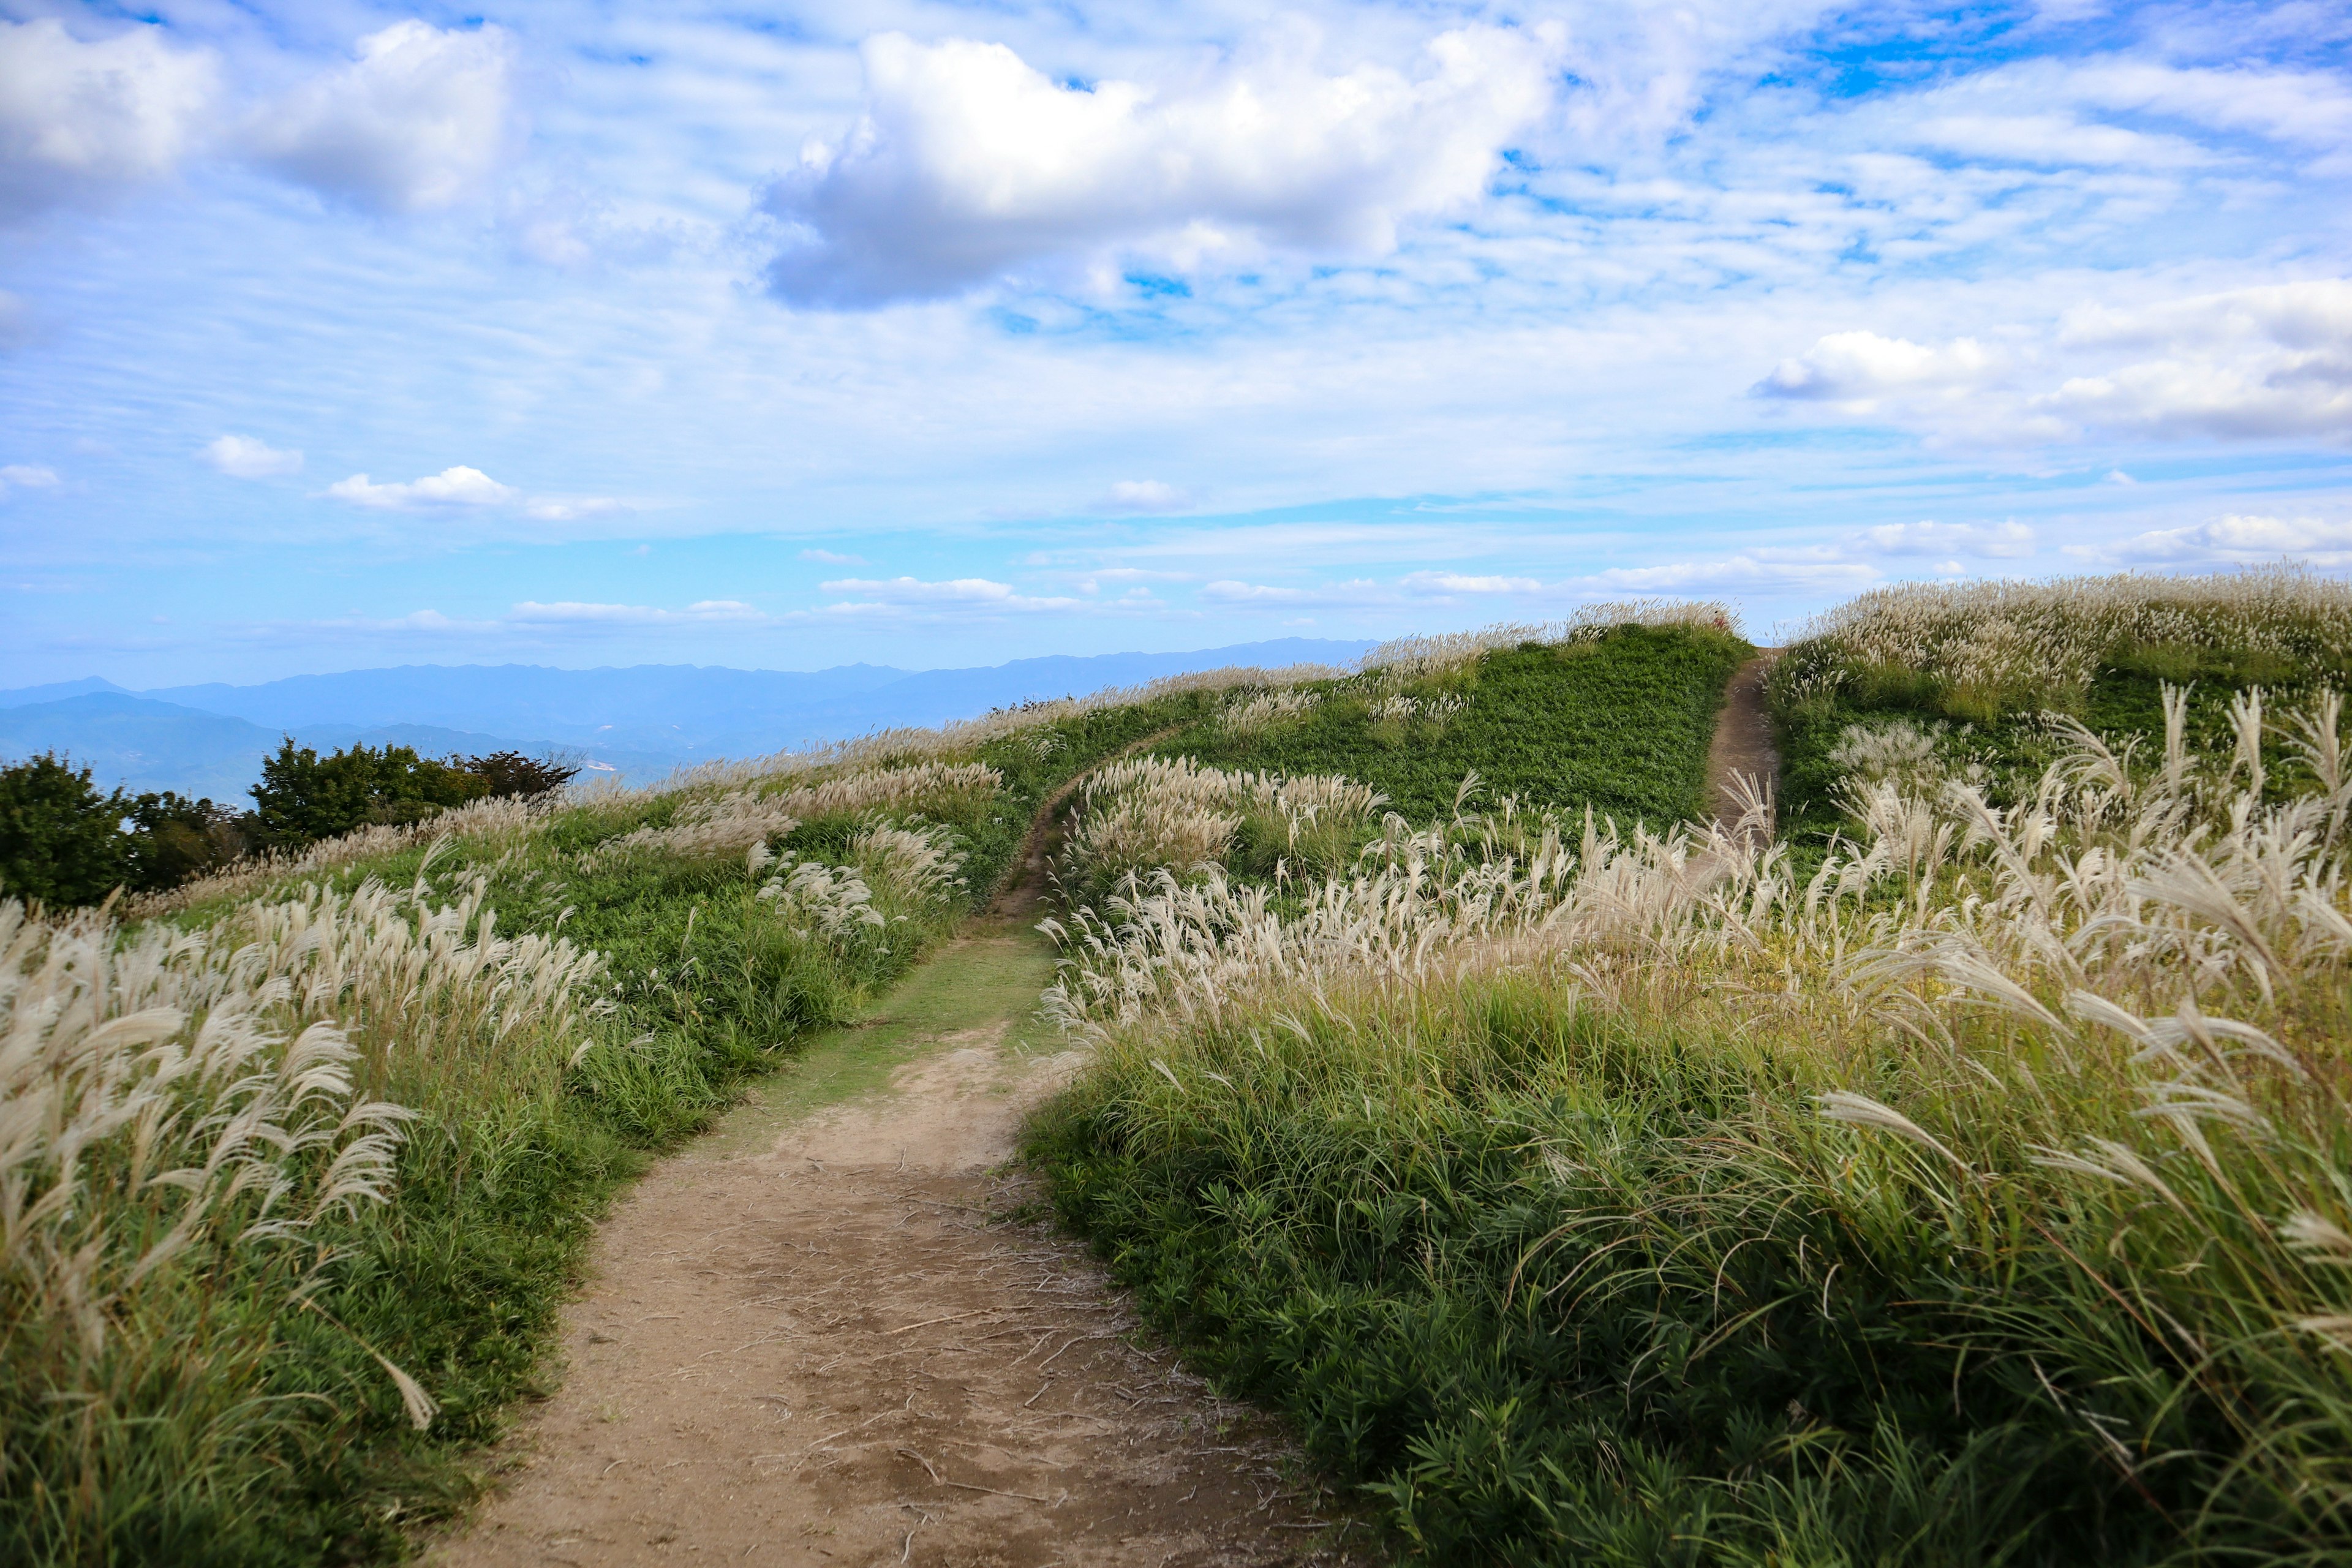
(816, 1337)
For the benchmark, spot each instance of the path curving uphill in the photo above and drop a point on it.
(817, 1337)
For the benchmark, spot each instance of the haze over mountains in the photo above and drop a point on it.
(636, 723)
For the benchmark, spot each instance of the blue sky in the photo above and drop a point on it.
(336, 335)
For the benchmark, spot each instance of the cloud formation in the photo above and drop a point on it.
(243, 457)
(1143, 497)
(867, 595)
(417, 121)
(2260, 363)
(80, 116)
(27, 477)
(970, 163)
(2000, 540)
(453, 487)
(2239, 539)
(463, 489)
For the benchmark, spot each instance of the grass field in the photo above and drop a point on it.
(316, 1121)
(1972, 1190)
(1960, 1178)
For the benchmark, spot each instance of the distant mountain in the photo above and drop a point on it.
(142, 744)
(695, 712)
(146, 745)
(638, 722)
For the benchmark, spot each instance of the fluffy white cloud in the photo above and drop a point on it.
(969, 162)
(454, 487)
(2000, 540)
(1860, 368)
(417, 121)
(243, 457)
(2264, 362)
(76, 115)
(1452, 583)
(2243, 539)
(467, 490)
(832, 558)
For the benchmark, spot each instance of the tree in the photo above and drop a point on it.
(303, 796)
(174, 838)
(60, 840)
(512, 774)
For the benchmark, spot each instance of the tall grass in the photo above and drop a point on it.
(294, 1169)
(1981, 1194)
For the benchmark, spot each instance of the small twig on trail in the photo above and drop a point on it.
(649, 1316)
(1039, 1394)
(968, 1486)
(1057, 1354)
(953, 1317)
(925, 1463)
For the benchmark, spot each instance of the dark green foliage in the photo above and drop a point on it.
(505, 774)
(1620, 723)
(174, 838)
(303, 797)
(2014, 743)
(1564, 1310)
(61, 841)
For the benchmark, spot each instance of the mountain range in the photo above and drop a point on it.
(636, 723)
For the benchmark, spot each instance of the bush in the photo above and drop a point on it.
(303, 797)
(61, 842)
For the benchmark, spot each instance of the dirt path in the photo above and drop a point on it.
(1743, 739)
(817, 1338)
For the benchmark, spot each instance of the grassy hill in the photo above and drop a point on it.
(1965, 1187)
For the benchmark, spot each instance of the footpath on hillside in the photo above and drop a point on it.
(837, 1331)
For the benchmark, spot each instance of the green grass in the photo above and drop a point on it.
(1550, 1250)
(1620, 723)
(231, 1431)
(2124, 705)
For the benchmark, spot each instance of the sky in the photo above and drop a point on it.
(336, 335)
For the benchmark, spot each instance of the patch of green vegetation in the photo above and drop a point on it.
(1620, 723)
(230, 1428)
(2010, 745)
(986, 975)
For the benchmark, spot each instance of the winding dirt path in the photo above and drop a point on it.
(834, 1333)
(1743, 740)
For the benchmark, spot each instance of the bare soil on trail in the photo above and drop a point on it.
(826, 1336)
(1743, 739)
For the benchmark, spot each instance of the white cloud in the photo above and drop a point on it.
(1455, 582)
(243, 457)
(26, 476)
(1859, 368)
(419, 121)
(970, 163)
(830, 558)
(2001, 540)
(1359, 591)
(2245, 539)
(79, 115)
(867, 595)
(570, 612)
(463, 489)
(570, 509)
(455, 487)
(1142, 496)
(2267, 363)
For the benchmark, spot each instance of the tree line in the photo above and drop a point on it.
(62, 841)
